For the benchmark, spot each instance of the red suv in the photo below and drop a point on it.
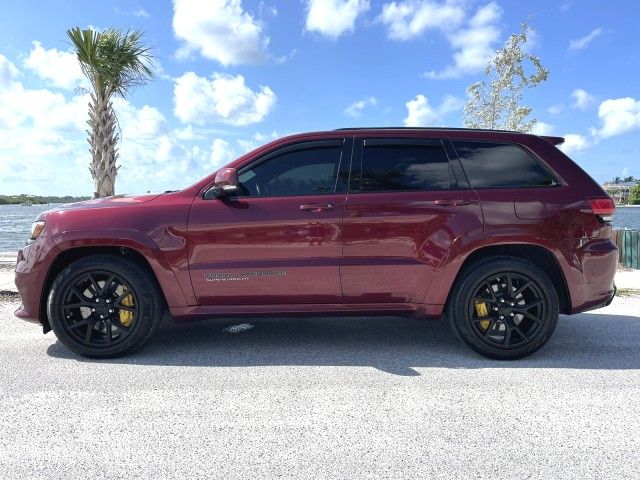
(499, 231)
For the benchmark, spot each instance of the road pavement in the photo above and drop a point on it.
(324, 398)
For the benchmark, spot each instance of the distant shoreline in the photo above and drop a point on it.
(38, 200)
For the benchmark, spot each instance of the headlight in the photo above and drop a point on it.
(36, 229)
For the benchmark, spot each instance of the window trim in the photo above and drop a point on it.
(298, 147)
(363, 142)
(541, 163)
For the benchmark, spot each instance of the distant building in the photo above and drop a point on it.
(619, 191)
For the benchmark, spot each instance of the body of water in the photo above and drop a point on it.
(15, 223)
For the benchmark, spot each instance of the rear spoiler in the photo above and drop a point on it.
(553, 140)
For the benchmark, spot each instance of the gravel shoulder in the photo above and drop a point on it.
(330, 398)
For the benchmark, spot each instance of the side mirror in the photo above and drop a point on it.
(225, 184)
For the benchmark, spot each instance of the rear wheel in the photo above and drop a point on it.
(504, 307)
(104, 306)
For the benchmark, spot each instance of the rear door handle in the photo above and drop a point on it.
(452, 202)
(316, 207)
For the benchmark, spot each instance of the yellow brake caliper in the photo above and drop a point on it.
(482, 311)
(126, 317)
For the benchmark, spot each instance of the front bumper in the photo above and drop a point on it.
(31, 272)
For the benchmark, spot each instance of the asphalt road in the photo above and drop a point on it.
(324, 398)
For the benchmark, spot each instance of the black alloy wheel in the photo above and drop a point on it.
(99, 309)
(104, 305)
(504, 307)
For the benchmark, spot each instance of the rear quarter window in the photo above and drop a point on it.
(495, 165)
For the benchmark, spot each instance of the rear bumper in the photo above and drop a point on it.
(591, 283)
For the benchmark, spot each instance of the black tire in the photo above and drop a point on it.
(127, 311)
(489, 312)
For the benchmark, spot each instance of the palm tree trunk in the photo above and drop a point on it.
(102, 138)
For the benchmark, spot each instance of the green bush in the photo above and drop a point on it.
(634, 195)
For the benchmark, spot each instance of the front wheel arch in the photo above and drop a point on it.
(67, 257)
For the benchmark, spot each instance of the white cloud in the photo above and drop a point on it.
(409, 19)
(44, 147)
(355, 109)
(555, 109)
(542, 128)
(221, 153)
(421, 114)
(474, 44)
(219, 30)
(224, 99)
(583, 42)
(582, 100)
(618, 116)
(59, 67)
(333, 18)
(8, 71)
(574, 142)
(140, 13)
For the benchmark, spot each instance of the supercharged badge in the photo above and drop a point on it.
(233, 276)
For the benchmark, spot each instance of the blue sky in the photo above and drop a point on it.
(234, 74)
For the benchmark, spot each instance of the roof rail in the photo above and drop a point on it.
(428, 128)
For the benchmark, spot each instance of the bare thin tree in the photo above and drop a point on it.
(496, 101)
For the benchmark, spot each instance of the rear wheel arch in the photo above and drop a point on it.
(536, 254)
(67, 257)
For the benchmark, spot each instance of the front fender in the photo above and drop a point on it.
(176, 292)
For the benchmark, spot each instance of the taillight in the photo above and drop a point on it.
(603, 207)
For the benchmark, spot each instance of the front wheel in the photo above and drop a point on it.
(504, 307)
(104, 306)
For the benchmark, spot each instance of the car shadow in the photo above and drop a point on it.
(393, 345)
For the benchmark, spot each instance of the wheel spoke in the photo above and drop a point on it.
(79, 323)
(529, 306)
(490, 288)
(509, 284)
(492, 323)
(107, 327)
(532, 317)
(107, 284)
(481, 299)
(125, 308)
(77, 305)
(521, 289)
(91, 325)
(119, 325)
(519, 332)
(507, 335)
(122, 296)
(80, 295)
(94, 284)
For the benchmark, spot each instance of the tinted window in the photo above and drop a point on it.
(308, 171)
(501, 165)
(402, 167)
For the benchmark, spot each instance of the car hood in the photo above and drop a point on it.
(114, 201)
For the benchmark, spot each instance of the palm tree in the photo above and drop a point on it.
(114, 62)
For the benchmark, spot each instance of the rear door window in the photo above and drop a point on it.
(496, 165)
(388, 165)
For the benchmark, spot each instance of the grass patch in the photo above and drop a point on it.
(628, 292)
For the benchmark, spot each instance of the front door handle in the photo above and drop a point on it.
(316, 207)
(452, 202)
